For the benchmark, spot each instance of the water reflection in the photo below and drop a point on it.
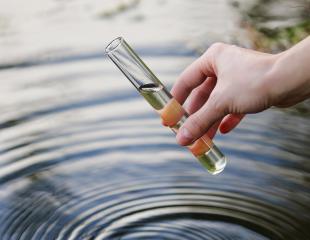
(82, 156)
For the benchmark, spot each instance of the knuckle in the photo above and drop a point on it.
(200, 93)
(196, 125)
(217, 104)
(217, 47)
(214, 52)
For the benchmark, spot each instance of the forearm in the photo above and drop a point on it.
(246, 82)
(290, 77)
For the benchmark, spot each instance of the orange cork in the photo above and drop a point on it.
(201, 145)
(171, 113)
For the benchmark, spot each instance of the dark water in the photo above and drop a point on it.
(84, 157)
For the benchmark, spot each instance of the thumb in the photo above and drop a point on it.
(200, 122)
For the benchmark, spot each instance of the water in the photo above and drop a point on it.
(83, 156)
(173, 115)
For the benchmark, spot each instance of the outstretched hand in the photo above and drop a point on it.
(227, 82)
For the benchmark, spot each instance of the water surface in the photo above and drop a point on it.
(83, 156)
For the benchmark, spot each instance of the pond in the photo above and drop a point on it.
(83, 156)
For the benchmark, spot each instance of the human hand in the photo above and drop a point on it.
(227, 82)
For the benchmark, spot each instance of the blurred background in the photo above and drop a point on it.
(82, 155)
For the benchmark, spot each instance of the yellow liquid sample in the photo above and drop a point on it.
(173, 115)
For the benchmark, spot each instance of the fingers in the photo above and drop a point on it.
(213, 110)
(200, 95)
(212, 131)
(202, 120)
(192, 77)
(197, 99)
(230, 122)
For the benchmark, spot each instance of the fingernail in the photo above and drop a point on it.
(184, 136)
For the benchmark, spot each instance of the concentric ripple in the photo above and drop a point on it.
(81, 160)
(155, 207)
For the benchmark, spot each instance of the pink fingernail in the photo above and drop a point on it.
(185, 135)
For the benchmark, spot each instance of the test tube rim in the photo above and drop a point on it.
(110, 48)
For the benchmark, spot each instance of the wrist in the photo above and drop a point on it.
(271, 79)
(288, 80)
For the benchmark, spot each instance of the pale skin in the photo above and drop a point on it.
(227, 82)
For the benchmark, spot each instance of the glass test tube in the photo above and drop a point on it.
(172, 113)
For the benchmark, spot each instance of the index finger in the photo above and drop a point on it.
(192, 77)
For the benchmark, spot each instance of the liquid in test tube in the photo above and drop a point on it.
(155, 93)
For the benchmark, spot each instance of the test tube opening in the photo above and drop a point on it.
(125, 58)
(155, 93)
(114, 44)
